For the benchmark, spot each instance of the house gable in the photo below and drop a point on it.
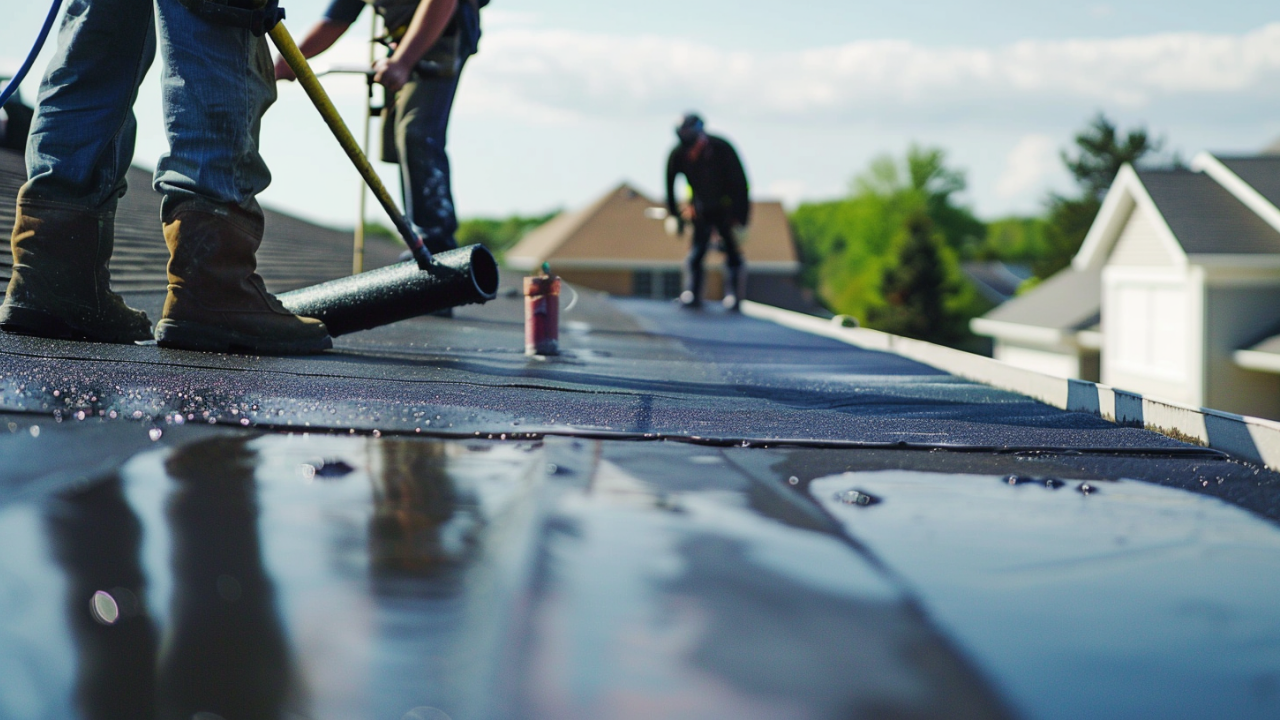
(1127, 196)
(1140, 243)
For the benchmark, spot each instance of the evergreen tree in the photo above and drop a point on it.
(1100, 153)
(915, 288)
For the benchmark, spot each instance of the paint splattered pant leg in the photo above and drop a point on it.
(422, 109)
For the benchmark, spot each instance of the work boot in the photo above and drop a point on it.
(217, 302)
(61, 286)
(735, 288)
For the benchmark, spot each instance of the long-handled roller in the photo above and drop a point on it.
(311, 84)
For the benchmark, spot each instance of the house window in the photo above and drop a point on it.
(642, 283)
(1151, 330)
(670, 284)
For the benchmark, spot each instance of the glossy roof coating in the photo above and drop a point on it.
(873, 548)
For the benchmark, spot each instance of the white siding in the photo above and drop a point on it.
(1139, 244)
(1239, 317)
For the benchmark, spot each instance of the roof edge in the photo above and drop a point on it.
(1034, 334)
(1249, 438)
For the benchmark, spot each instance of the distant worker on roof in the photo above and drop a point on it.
(720, 202)
(216, 86)
(432, 40)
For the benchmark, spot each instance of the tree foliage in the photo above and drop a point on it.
(1100, 151)
(849, 246)
(916, 289)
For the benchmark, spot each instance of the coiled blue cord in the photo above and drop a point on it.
(12, 87)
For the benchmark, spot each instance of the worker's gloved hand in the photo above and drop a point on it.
(391, 75)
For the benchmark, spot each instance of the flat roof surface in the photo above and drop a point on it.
(684, 515)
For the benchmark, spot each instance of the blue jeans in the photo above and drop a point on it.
(217, 83)
(423, 107)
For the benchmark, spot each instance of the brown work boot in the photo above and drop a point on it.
(61, 286)
(217, 302)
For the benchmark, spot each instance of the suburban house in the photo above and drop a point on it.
(1175, 292)
(618, 244)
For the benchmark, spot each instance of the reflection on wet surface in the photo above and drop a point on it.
(1085, 599)
(220, 574)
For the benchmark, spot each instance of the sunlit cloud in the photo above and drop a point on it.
(571, 74)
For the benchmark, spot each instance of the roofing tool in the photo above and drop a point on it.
(464, 276)
(542, 313)
(311, 84)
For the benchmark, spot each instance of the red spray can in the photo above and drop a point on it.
(542, 315)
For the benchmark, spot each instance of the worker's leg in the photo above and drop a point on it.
(693, 271)
(81, 144)
(423, 107)
(217, 83)
(96, 538)
(736, 276)
(224, 652)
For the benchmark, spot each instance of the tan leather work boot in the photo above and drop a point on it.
(61, 286)
(217, 302)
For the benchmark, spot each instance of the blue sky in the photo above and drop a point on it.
(568, 98)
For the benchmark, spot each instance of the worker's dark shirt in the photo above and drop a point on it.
(346, 12)
(717, 179)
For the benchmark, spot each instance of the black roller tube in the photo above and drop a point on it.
(464, 276)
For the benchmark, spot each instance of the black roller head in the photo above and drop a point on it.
(465, 276)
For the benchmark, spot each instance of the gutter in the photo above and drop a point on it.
(1247, 438)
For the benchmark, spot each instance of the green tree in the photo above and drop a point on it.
(846, 245)
(915, 287)
(1100, 152)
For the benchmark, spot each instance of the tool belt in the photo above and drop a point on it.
(256, 16)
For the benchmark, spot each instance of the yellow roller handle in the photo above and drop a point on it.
(311, 84)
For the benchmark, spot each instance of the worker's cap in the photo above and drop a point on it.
(690, 128)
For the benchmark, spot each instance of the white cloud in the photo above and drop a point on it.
(573, 74)
(1031, 161)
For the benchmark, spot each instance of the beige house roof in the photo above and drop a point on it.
(614, 233)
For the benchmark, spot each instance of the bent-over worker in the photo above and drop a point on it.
(720, 202)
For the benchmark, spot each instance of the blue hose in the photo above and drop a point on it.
(12, 87)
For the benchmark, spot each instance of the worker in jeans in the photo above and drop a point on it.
(720, 203)
(432, 41)
(217, 83)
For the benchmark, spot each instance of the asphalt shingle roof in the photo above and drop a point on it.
(1070, 300)
(1205, 218)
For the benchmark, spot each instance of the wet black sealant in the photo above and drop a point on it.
(581, 578)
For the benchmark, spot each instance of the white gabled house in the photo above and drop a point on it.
(1174, 293)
